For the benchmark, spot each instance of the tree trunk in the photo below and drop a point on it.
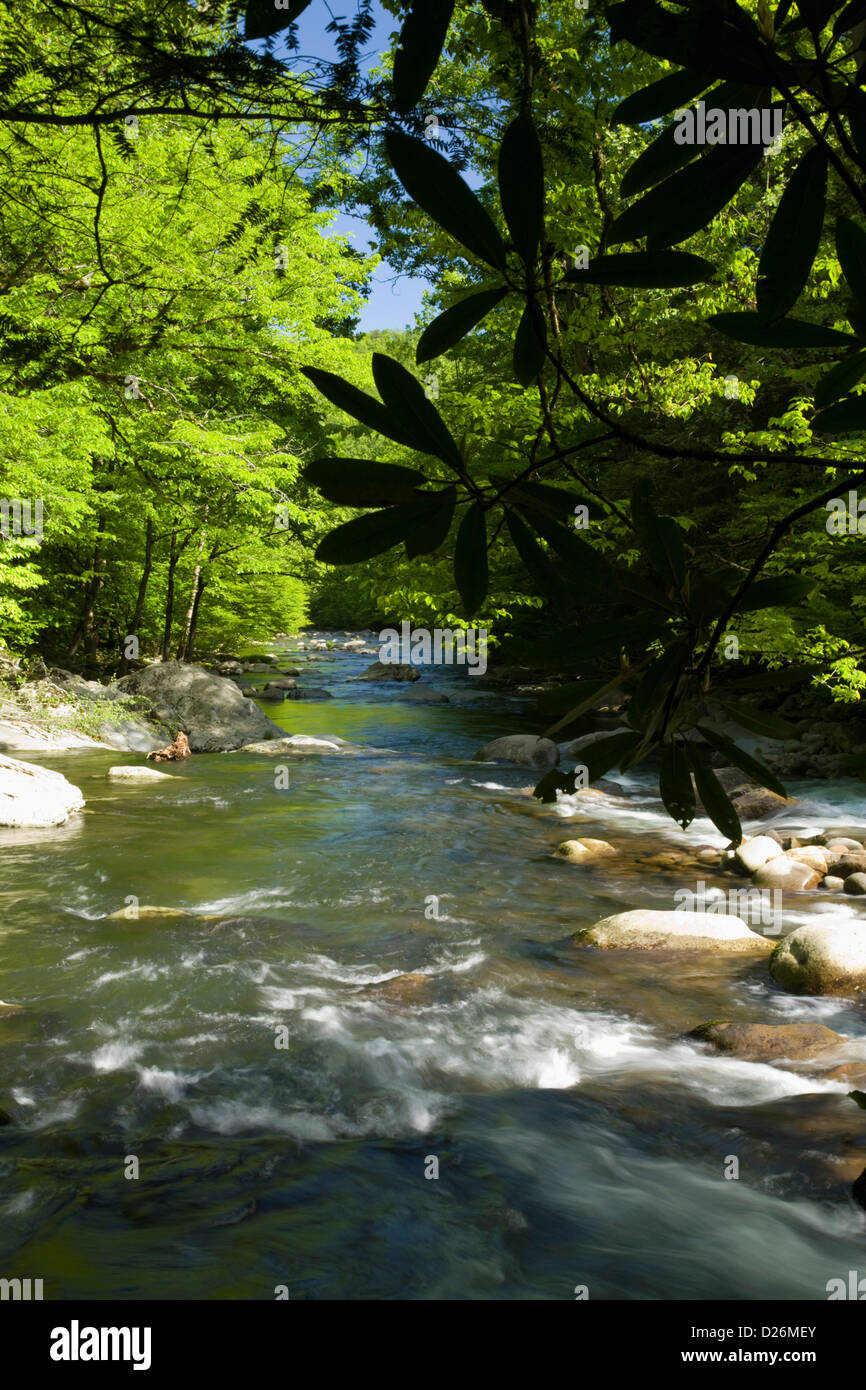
(190, 650)
(137, 616)
(87, 630)
(184, 646)
(173, 557)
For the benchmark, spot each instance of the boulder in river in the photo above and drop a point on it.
(855, 884)
(842, 866)
(651, 929)
(423, 695)
(787, 873)
(35, 797)
(584, 851)
(209, 708)
(527, 750)
(301, 743)
(389, 671)
(752, 854)
(310, 692)
(822, 958)
(138, 774)
(768, 1042)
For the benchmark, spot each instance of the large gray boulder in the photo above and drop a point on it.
(527, 750)
(822, 959)
(35, 797)
(650, 929)
(209, 709)
(768, 1042)
(388, 671)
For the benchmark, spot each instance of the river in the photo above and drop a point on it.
(286, 1115)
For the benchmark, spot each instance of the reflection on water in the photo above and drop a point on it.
(283, 1092)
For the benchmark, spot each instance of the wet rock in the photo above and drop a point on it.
(855, 884)
(708, 854)
(411, 988)
(584, 851)
(846, 865)
(35, 797)
(301, 743)
(843, 842)
(856, 833)
(753, 803)
(786, 873)
(752, 854)
(648, 929)
(832, 883)
(821, 959)
(814, 855)
(527, 750)
(764, 1042)
(389, 671)
(137, 774)
(25, 738)
(210, 709)
(146, 912)
(311, 692)
(270, 695)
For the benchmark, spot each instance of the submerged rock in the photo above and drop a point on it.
(584, 851)
(822, 959)
(210, 709)
(527, 750)
(765, 1042)
(411, 988)
(138, 774)
(787, 873)
(35, 797)
(146, 912)
(423, 695)
(649, 929)
(388, 671)
(301, 743)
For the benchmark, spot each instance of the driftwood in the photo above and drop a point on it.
(174, 753)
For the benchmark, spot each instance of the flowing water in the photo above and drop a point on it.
(286, 1108)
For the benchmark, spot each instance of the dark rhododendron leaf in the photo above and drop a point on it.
(552, 782)
(852, 15)
(859, 1098)
(841, 379)
(263, 19)
(845, 417)
(675, 785)
(361, 483)
(359, 405)
(432, 529)
(693, 38)
(787, 333)
(666, 155)
(714, 798)
(530, 343)
(535, 559)
(760, 721)
(644, 270)
(521, 186)
(668, 94)
(602, 754)
(817, 13)
(793, 238)
(689, 200)
(661, 538)
(372, 534)
(553, 501)
(422, 39)
(583, 564)
(851, 250)
(738, 757)
(456, 322)
(777, 592)
(404, 397)
(470, 559)
(646, 706)
(436, 187)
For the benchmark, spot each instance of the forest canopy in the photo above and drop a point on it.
(625, 435)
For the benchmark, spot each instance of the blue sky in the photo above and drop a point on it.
(395, 299)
